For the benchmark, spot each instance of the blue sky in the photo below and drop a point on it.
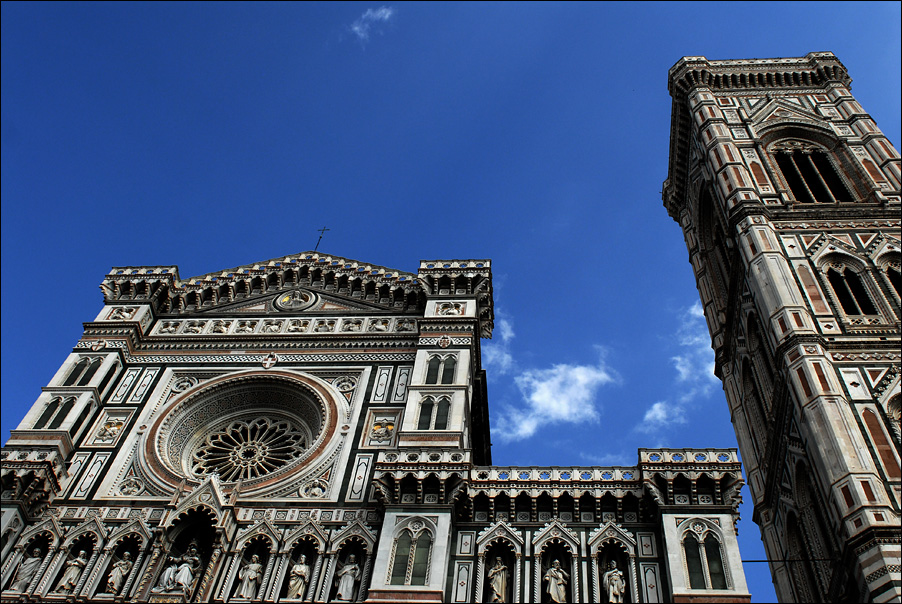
(214, 135)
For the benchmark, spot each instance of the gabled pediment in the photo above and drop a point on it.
(207, 495)
(294, 300)
(48, 525)
(309, 530)
(354, 530)
(780, 109)
(135, 527)
(555, 531)
(91, 525)
(611, 532)
(499, 530)
(263, 528)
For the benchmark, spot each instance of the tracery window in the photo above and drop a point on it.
(83, 371)
(434, 415)
(703, 553)
(410, 561)
(850, 290)
(809, 173)
(441, 366)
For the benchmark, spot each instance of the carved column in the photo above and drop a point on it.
(224, 594)
(149, 575)
(314, 578)
(134, 573)
(52, 561)
(364, 588)
(596, 581)
(327, 576)
(480, 572)
(516, 593)
(12, 563)
(537, 581)
(264, 582)
(86, 583)
(279, 575)
(209, 574)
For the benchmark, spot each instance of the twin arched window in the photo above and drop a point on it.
(55, 413)
(410, 563)
(850, 291)
(441, 367)
(434, 415)
(83, 371)
(704, 562)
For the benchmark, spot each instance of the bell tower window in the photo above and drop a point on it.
(441, 367)
(850, 291)
(809, 173)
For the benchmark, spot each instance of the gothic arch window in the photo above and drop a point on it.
(55, 413)
(441, 367)
(83, 371)
(848, 282)
(434, 414)
(809, 172)
(891, 267)
(412, 555)
(703, 554)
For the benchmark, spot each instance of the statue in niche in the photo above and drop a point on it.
(498, 581)
(612, 583)
(72, 574)
(119, 574)
(346, 578)
(557, 579)
(27, 570)
(250, 576)
(298, 578)
(179, 574)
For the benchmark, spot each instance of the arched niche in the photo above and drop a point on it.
(611, 543)
(498, 541)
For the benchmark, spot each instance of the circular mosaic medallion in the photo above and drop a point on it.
(295, 300)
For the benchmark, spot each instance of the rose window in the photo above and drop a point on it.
(246, 449)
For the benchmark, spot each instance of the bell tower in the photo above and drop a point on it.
(788, 195)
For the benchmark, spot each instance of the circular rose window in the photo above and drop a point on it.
(255, 428)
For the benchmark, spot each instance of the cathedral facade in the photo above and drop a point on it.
(788, 195)
(313, 428)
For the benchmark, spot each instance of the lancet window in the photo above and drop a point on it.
(55, 413)
(410, 562)
(434, 414)
(809, 173)
(704, 560)
(440, 369)
(83, 371)
(850, 290)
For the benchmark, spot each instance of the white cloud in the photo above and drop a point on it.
(370, 20)
(562, 394)
(661, 415)
(496, 355)
(694, 365)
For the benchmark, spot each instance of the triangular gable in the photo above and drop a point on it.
(135, 527)
(807, 240)
(830, 244)
(555, 530)
(267, 303)
(207, 494)
(355, 528)
(780, 110)
(875, 374)
(611, 532)
(263, 527)
(865, 238)
(499, 530)
(881, 245)
(48, 525)
(309, 529)
(91, 525)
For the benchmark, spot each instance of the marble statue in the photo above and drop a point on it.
(557, 579)
(72, 574)
(119, 574)
(179, 575)
(249, 576)
(612, 583)
(27, 570)
(298, 578)
(346, 578)
(498, 581)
